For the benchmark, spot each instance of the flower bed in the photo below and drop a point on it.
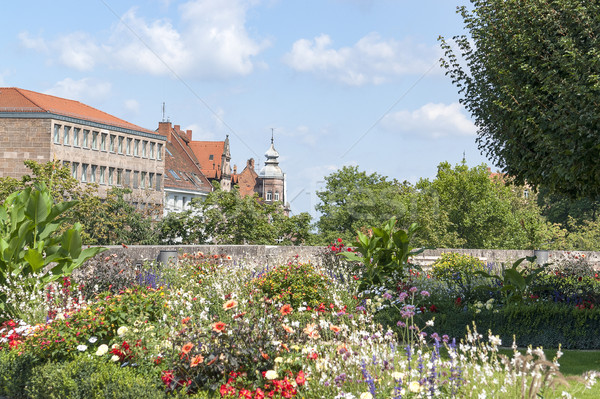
(209, 328)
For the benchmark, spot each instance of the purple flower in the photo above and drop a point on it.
(402, 296)
(401, 324)
(387, 296)
(413, 289)
(425, 293)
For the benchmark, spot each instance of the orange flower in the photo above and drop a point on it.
(185, 320)
(335, 329)
(187, 348)
(230, 304)
(196, 360)
(264, 355)
(311, 331)
(286, 309)
(288, 329)
(219, 326)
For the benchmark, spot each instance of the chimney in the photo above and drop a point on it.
(189, 134)
(164, 128)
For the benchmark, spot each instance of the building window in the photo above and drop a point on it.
(84, 170)
(66, 135)
(144, 144)
(525, 193)
(111, 176)
(94, 140)
(158, 182)
(143, 180)
(93, 174)
(211, 157)
(86, 134)
(121, 144)
(57, 134)
(136, 179)
(128, 146)
(150, 180)
(269, 196)
(136, 146)
(102, 175)
(103, 142)
(152, 150)
(159, 152)
(127, 178)
(276, 196)
(119, 177)
(76, 136)
(74, 168)
(111, 146)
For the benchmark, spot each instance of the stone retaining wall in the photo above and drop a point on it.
(269, 255)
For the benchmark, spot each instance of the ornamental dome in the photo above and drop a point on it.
(271, 168)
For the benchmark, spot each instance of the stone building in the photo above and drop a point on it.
(99, 147)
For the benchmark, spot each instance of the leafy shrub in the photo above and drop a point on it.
(294, 284)
(15, 372)
(111, 273)
(459, 272)
(87, 378)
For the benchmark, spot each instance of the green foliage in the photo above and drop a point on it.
(514, 284)
(458, 271)
(294, 284)
(384, 255)
(353, 200)
(225, 217)
(31, 250)
(87, 378)
(530, 77)
(16, 371)
(545, 324)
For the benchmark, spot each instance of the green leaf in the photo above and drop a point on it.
(35, 259)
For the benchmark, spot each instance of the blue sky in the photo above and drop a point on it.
(343, 82)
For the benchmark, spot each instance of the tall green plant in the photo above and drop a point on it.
(384, 254)
(32, 251)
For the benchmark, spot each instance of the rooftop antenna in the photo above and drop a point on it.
(163, 112)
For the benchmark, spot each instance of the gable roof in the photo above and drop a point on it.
(181, 165)
(203, 150)
(16, 100)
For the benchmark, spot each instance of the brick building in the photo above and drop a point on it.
(183, 180)
(100, 148)
(214, 159)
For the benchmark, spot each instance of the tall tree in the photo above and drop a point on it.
(529, 73)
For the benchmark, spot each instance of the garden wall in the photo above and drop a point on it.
(269, 255)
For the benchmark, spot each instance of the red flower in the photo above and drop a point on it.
(433, 309)
(286, 309)
(300, 380)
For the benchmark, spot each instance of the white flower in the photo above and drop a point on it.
(414, 386)
(82, 348)
(114, 358)
(271, 375)
(93, 340)
(396, 375)
(429, 323)
(122, 330)
(102, 350)
(366, 395)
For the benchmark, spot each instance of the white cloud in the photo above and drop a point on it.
(81, 90)
(209, 41)
(132, 105)
(431, 120)
(199, 133)
(371, 60)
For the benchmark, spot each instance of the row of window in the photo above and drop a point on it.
(76, 137)
(89, 173)
(270, 196)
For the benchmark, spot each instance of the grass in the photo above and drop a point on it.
(572, 362)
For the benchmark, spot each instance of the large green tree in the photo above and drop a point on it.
(529, 73)
(225, 217)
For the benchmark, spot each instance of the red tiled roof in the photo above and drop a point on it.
(181, 160)
(13, 99)
(203, 150)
